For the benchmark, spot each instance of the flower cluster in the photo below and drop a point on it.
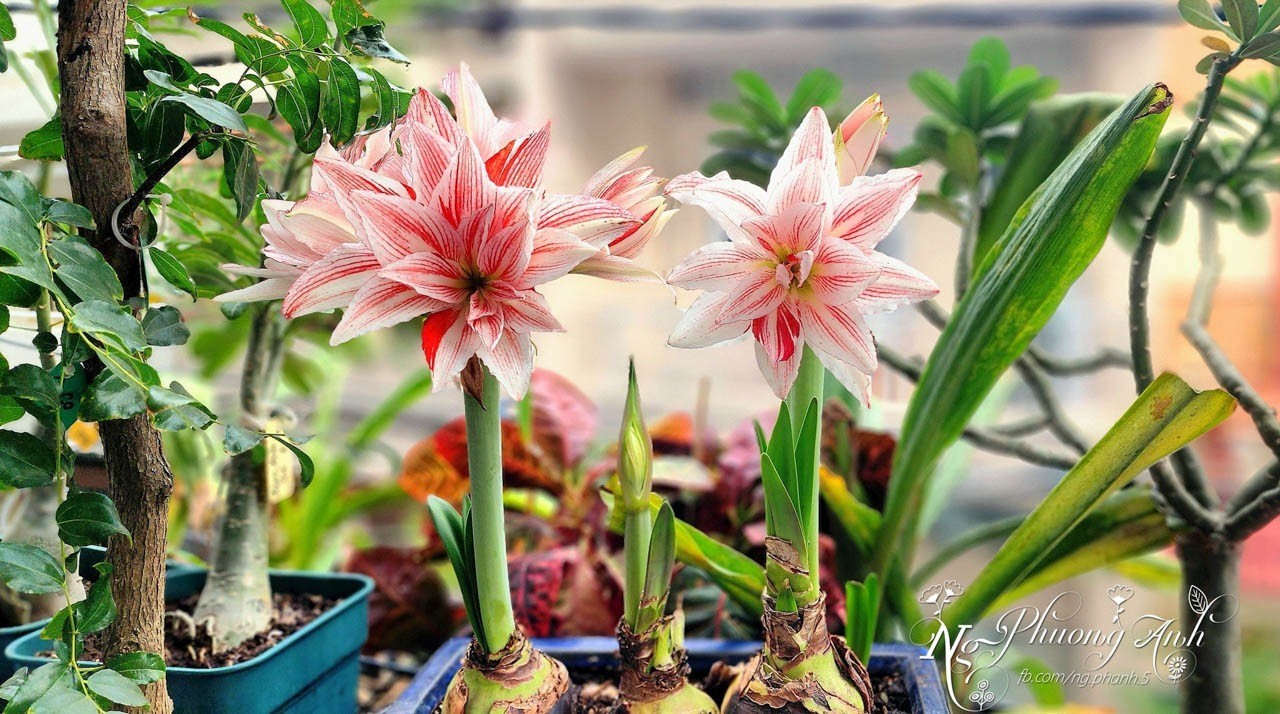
(444, 217)
(800, 266)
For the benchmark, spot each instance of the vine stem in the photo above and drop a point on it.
(489, 557)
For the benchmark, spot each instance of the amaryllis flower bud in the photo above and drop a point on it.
(635, 452)
(858, 137)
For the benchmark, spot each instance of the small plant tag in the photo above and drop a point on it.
(278, 464)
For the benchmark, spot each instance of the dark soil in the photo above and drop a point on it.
(190, 645)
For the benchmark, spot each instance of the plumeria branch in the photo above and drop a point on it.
(985, 439)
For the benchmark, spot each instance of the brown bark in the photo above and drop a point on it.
(91, 67)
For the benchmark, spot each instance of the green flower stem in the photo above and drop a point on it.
(808, 387)
(638, 529)
(484, 459)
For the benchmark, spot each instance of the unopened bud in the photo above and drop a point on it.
(635, 452)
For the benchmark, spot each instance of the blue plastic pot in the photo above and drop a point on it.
(89, 557)
(312, 671)
(587, 653)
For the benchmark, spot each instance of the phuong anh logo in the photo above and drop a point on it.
(976, 670)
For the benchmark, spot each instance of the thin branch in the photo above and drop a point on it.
(1056, 417)
(1107, 357)
(984, 439)
(1175, 494)
(1022, 427)
(1254, 516)
(1267, 479)
(1140, 271)
(155, 177)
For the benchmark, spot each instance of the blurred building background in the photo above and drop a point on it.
(614, 74)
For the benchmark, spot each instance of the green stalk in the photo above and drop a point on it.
(808, 387)
(639, 527)
(489, 557)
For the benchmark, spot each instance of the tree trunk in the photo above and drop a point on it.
(236, 601)
(91, 68)
(1211, 564)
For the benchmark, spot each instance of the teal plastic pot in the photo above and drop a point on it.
(312, 671)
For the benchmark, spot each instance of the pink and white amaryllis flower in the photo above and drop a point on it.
(419, 221)
(800, 266)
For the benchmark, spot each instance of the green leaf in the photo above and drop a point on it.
(862, 610)
(211, 110)
(1200, 14)
(84, 271)
(349, 14)
(163, 327)
(452, 531)
(44, 143)
(308, 466)
(1269, 16)
(740, 577)
(1242, 16)
(47, 678)
(17, 292)
(173, 271)
(299, 104)
(1167, 416)
(68, 213)
(1048, 133)
(88, 518)
(817, 88)
(781, 511)
(238, 440)
(937, 94)
(7, 30)
(1019, 285)
(107, 320)
(962, 155)
(340, 101)
(98, 609)
(111, 397)
(1264, 45)
(34, 389)
(25, 460)
(974, 90)
(992, 52)
(65, 699)
(313, 31)
(1126, 526)
(760, 97)
(29, 569)
(240, 172)
(173, 409)
(140, 667)
(115, 687)
(658, 566)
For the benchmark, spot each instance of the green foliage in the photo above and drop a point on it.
(1166, 416)
(1246, 23)
(789, 475)
(862, 611)
(969, 128)
(1235, 167)
(1055, 236)
(763, 124)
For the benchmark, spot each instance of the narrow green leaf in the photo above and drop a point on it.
(785, 521)
(1165, 417)
(240, 172)
(1269, 16)
(173, 271)
(1264, 45)
(308, 466)
(25, 460)
(661, 558)
(211, 110)
(1019, 286)
(451, 528)
(937, 94)
(88, 518)
(1048, 133)
(817, 88)
(29, 569)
